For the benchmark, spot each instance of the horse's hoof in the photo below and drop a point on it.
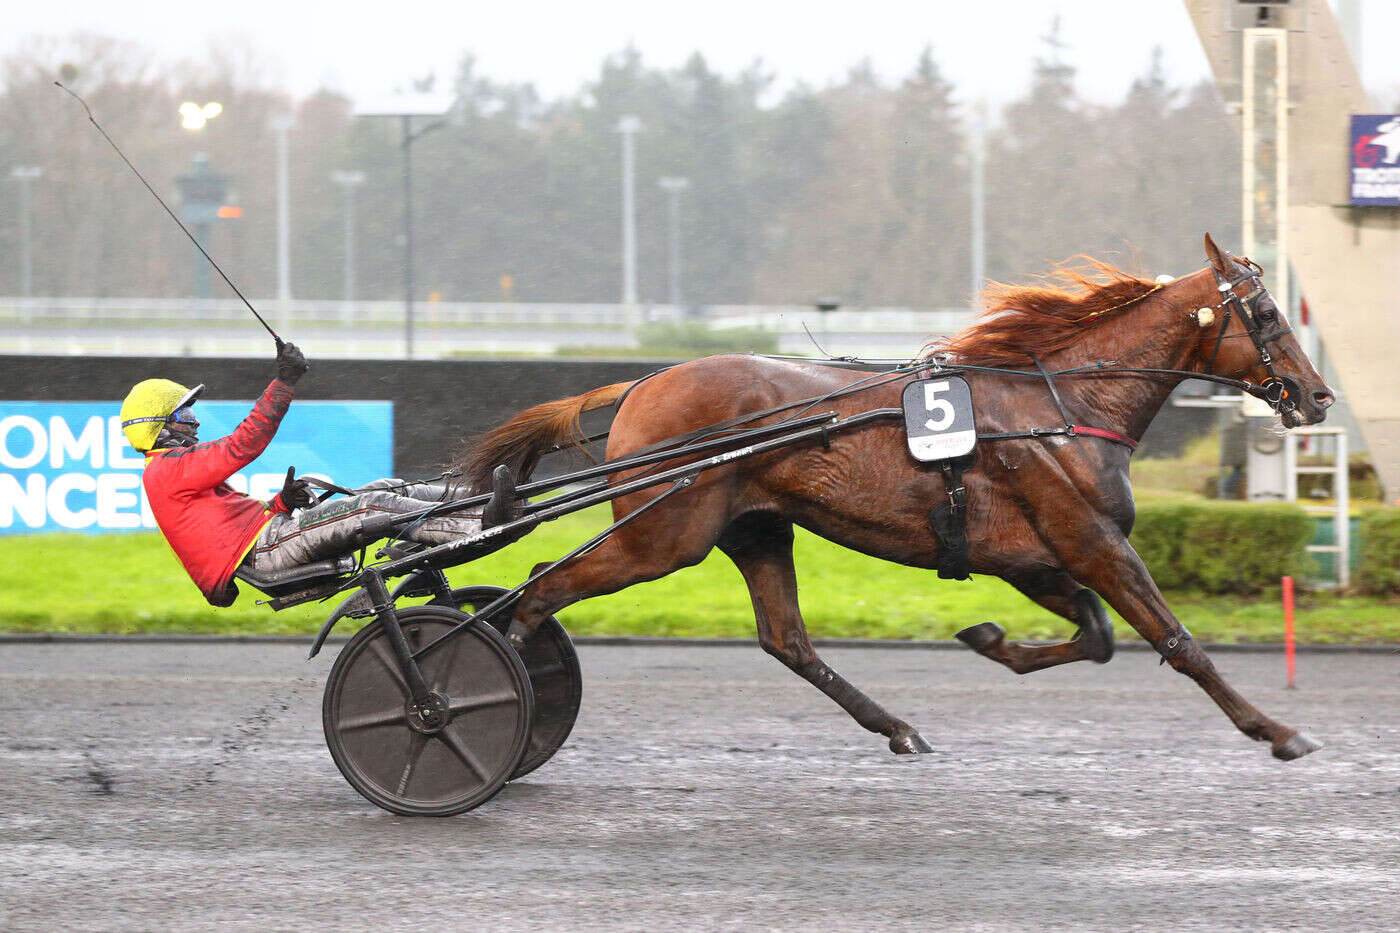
(1096, 641)
(1296, 747)
(982, 636)
(909, 743)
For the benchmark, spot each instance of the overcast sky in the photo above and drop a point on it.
(366, 48)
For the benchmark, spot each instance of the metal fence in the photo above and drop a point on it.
(376, 329)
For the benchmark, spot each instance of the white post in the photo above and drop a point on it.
(280, 125)
(25, 175)
(673, 187)
(628, 127)
(348, 182)
(977, 158)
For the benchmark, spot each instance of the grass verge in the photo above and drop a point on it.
(132, 583)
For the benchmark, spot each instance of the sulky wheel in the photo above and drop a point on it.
(403, 761)
(550, 658)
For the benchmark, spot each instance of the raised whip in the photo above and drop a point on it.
(177, 220)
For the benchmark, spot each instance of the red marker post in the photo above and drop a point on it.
(1289, 650)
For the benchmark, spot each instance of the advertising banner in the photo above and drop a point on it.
(1375, 159)
(66, 466)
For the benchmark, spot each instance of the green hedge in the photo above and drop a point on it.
(1222, 547)
(1379, 571)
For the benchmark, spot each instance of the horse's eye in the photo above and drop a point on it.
(1267, 313)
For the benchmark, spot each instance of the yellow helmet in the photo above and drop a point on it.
(148, 405)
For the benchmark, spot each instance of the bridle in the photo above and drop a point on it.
(1264, 326)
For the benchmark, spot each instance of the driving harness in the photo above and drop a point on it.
(949, 519)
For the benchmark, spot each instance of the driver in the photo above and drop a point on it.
(214, 530)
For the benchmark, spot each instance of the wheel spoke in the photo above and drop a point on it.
(417, 741)
(459, 748)
(370, 720)
(458, 707)
(448, 660)
(380, 649)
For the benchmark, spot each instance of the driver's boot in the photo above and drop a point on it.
(501, 508)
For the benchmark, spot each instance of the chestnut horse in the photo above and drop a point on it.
(1050, 515)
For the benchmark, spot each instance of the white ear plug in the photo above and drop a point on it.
(1164, 279)
(1205, 317)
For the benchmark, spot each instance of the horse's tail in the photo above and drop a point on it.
(521, 441)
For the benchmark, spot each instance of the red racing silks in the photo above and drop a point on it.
(208, 525)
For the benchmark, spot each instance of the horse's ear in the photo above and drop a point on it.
(1216, 257)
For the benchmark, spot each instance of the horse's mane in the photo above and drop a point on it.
(1022, 322)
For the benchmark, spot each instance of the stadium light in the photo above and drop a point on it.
(406, 107)
(194, 117)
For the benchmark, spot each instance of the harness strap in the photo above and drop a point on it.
(1054, 394)
(949, 523)
(1107, 435)
(1069, 430)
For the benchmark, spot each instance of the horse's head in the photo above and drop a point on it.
(1245, 335)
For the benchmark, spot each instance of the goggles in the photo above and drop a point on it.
(183, 416)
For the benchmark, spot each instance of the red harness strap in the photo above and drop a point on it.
(1114, 436)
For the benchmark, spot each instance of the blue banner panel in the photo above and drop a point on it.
(1375, 159)
(66, 466)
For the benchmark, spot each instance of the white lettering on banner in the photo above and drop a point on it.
(115, 492)
(63, 445)
(1375, 175)
(28, 501)
(67, 466)
(118, 457)
(148, 518)
(58, 500)
(258, 485)
(36, 435)
(265, 485)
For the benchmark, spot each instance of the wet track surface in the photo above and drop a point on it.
(155, 785)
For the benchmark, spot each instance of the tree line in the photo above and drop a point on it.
(859, 190)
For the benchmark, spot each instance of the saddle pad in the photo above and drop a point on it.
(938, 418)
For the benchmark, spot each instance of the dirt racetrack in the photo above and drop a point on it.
(174, 785)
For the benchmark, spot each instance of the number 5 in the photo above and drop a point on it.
(940, 407)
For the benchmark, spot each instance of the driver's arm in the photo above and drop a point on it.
(205, 466)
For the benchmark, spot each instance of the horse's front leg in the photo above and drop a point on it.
(1096, 552)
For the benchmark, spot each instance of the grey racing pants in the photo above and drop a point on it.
(339, 526)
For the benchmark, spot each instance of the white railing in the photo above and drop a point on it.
(376, 329)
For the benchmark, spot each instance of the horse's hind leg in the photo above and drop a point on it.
(761, 547)
(1058, 592)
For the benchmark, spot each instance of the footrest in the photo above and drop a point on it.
(281, 579)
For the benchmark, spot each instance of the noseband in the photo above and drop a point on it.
(1264, 327)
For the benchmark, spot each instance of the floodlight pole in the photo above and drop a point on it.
(978, 181)
(406, 107)
(409, 135)
(407, 236)
(673, 186)
(349, 181)
(281, 123)
(628, 127)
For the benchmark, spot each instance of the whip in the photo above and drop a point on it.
(177, 220)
